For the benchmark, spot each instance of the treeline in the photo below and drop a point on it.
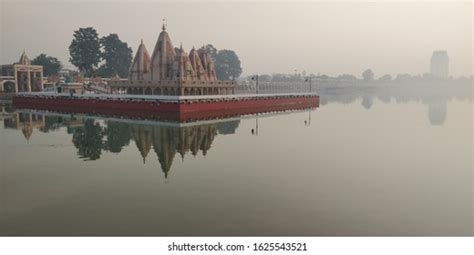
(366, 76)
(226, 61)
(87, 51)
(109, 56)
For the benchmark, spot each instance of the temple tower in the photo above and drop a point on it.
(182, 65)
(200, 73)
(208, 65)
(162, 58)
(140, 69)
(24, 59)
(172, 72)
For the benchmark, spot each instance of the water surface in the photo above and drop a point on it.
(364, 166)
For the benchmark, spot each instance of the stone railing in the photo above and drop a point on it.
(171, 83)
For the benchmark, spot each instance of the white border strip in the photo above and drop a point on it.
(164, 123)
(164, 98)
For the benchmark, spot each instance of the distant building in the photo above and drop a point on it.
(21, 76)
(440, 64)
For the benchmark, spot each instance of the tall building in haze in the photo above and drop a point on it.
(440, 64)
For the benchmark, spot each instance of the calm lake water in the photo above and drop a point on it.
(364, 166)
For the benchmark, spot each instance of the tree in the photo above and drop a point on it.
(51, 65)
(264, 77)
(386, 77)
(117, 56)
(367, 102)
(118, 136)
(227, 62)
(347, 77)
(280, 77)
(211, 50)
(85, 50)
(403, 77)
(88, 140)
(368, 75)
(227, 65)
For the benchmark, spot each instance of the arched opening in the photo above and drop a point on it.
(157, 91)
(148, 91)
(9, 87)
(22, 80)
(165, 91)
(140, 91)
(129, 91)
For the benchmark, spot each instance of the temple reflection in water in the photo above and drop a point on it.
(92, 137)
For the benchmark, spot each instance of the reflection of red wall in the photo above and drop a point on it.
(168, 110)
(200, 111)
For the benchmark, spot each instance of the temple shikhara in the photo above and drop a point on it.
(172, 71)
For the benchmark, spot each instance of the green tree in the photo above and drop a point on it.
(118, 136)
(386, 77)
(347, 77)
(368, 75)
(211, 50)
(227, 62)
(51, 65)
(85, 50)
(117, 56)
(88, 140)
(227, 65)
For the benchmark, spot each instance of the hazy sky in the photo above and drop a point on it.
(269, 37)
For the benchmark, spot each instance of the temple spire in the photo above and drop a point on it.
(24, 60)
(164, 25)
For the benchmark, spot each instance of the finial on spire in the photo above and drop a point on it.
(141, 41)
(164, 25)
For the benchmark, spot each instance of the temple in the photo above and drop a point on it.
(21, 76)
(172, 71)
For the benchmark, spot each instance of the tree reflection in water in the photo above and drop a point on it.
(92, 137)
(88, 140)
